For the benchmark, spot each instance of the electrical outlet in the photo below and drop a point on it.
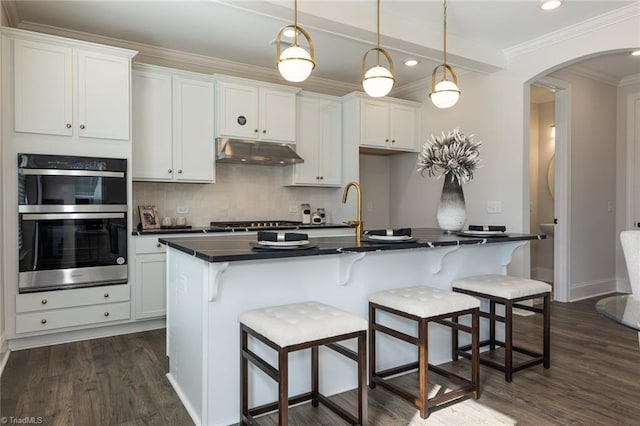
(494, 206)
(293, 209)
(182, 210)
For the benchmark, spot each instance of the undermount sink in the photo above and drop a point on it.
(547, 228)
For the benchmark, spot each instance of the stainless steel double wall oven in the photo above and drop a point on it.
(72, 222)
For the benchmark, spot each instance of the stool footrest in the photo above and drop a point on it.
(338, 410)
(272, 406)
(343, 350)
(399, 369)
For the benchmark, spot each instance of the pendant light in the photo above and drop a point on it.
(378, 80)
(295, 63)
(446, 93)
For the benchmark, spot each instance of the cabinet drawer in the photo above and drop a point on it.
(55, 319)
(149, 245)
(47, 300)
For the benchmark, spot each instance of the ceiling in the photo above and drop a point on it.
(479, 33)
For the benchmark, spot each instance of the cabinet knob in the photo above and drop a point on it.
(158, 245)
(68, 125)
(43, 321)
(82, 126)
(170, 171)
(317, 177)
(264, 131)
(393, 141)
(44, 301)
(106, 295)
(321, 177)
(255, 130)
(386, 140)
(106, 314)
(179, 171)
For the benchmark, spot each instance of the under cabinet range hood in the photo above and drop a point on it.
(242, 151)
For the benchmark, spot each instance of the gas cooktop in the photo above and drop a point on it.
(256, 225)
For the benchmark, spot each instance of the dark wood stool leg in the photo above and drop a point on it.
(475, 351)
(372, 346)
(546, 351)
(492, 325)
(315, 386)
(244, 381)
(508, 341)
(283, 387)
(454, 340)
(423, 367)
(363, 413)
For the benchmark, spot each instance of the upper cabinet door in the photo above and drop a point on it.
(194, 139)
(103, 95)
(403, 125)
(374, 124)
(237, 110)
(331, 147)
(43, 88)
(152, 126)
(277, 116)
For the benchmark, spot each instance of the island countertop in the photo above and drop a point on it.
(239, 248)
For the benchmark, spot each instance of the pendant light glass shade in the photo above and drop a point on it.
(295, 63)
(445, 93)
(377, 81)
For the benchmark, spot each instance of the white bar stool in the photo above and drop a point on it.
(508, 291)
(294, 327)
(425, 305)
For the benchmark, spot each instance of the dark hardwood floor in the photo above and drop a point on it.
(594, 379)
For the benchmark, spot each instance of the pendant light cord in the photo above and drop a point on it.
(295, 22)
(445, 34)
(378, 39)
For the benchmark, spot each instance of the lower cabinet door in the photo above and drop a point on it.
(71, 317)
(151, 296)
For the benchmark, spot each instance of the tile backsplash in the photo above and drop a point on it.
(241, 192)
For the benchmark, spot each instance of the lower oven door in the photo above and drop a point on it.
(68, 250)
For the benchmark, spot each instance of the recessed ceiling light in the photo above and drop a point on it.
(411, 62)
(550, 4)
(288, 32)
(635, 53)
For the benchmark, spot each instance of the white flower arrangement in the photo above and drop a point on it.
(452, 154)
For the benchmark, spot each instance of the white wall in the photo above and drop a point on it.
(374, 178)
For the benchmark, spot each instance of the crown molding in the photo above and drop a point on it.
(630, 80)
(11, 12)
(576, 30)
(585, 72)
(154, 55)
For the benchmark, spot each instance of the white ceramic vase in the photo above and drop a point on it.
(452, 213)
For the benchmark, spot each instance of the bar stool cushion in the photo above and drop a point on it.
(423, 301)
(504, 286)
(296, 323)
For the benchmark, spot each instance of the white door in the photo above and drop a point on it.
(194, 140)
(237, 110)
(277, 116)
(331, 148)
(308, 141)
(43, 88)
(103, 96)
(374, 123)
(152, 126)
(402, 127)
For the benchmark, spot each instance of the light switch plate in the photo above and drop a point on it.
(494, 206)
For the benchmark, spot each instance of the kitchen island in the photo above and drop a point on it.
(211, 281)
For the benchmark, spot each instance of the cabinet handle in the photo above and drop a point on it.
(179, 171)
(106, 314)
(169, 171)
(158, 245)
(43, 321)
(106, 295)
(264, 131)
(44, 301)
(82, 126)
(68, 125)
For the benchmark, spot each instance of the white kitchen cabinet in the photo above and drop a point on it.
(318, 142)
(54, 310)
(69, 91)
(253, 110)
(173, 127)
(150, 278)
(389, 124)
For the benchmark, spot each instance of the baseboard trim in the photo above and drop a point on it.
(78, 335)
(590, 289)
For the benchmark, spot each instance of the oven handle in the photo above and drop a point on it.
(59, 216)
(59, 172)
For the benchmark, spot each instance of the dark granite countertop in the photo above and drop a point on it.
(238, 248)
(213, 230)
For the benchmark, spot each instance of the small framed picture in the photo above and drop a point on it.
(149, 217)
